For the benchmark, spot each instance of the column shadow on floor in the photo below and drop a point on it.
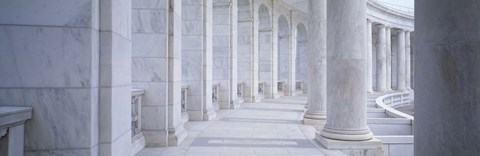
(252, 142)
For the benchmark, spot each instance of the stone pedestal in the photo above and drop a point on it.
(373, 147)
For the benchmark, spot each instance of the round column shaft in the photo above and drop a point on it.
(316, 112)
(369, 58)
(388, 35)
(381, 59)
(447, 78)
(346, 69)
(408, 61)
(401, 61)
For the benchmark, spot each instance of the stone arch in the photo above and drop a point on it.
(265, 56)
(283, 44)
(301, 61)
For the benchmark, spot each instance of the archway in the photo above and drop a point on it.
(283, 54)
(301, 61)
(265, 61)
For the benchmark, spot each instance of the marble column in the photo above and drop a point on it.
(369, 58)
(317, 60)
(381, 59)
(346, 69)
(447, 77)
(197, 58)
(388, 32)
(401, 61)
(408, 61)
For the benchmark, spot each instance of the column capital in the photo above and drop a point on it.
(369, 21)
(379, 25)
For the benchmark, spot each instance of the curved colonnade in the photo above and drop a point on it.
(144, 68)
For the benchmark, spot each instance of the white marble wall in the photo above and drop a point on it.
(58, 59)
(176, 131)
(149, 66)
(156, 68)
(225, 51)
(197, 57)
(247, 50)
(115, 80)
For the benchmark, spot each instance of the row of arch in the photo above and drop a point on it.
(282, 52)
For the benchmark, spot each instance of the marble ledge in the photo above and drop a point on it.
(10, 115)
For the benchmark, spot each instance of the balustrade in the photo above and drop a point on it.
(280, 86)
(215, 91)
(138, 139)
(261, 87)
(184, 98)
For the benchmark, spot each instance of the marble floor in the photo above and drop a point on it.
(271, 127)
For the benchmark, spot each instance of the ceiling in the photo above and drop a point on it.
(299, 4)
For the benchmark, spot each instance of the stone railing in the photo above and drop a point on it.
(12, 129)
(137, 111)
(240, 90)
(261, 87)
(215, 92)
(395, 7)
(184, 97)
(138, 139)
(280, 86)
(299, 85)
(391, 101)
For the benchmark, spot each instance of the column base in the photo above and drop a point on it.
(362, 135)
(252, 99)
(201, 116)
(176, 135)
(373, 146)
(207, 116)
(317, 121)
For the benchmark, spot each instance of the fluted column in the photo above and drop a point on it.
(381, 59)
(388, 35)
(447, 77)
(316, 112)
(401, 61)
(408, 61)
(369, 57)
(346, 69)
